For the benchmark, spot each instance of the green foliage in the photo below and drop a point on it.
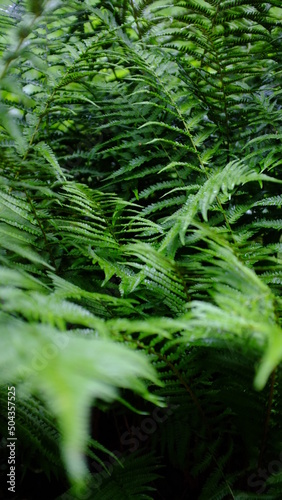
(140, 255)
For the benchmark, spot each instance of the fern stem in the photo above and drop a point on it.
(267, 418)
(40, 226)
(226, 114)
(188, 389)
(135, 18)
(21, 41)
(179, 376)
(199, 159)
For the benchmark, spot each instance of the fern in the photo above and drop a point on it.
(140, 255)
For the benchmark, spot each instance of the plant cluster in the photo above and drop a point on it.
(140, 247)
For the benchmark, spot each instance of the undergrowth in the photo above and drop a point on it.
(140, 254)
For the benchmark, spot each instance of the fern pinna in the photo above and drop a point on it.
(140, 261)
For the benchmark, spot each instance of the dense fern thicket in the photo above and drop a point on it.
(140, 248)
